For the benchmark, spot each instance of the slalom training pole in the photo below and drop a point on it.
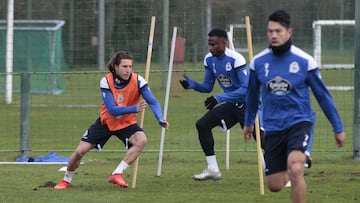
(168, 86)
(147, 72)
(227, 147)
(257, 125)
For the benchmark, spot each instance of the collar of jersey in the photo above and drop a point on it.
(280, 50)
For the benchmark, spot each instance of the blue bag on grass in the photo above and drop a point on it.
(51, 157)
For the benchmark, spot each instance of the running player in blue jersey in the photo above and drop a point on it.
(282, 75)
(229, 69)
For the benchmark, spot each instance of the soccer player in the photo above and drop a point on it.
(229, 69)
(120, 91)
(282, 75)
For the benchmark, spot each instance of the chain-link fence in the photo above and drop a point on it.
(57, 121)
(47, 122)
(126, 24)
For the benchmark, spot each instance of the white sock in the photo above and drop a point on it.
(68, 176)
(212, 164)
(121, 167)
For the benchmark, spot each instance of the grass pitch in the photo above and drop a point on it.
(332, 178)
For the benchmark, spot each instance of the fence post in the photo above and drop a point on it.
(25, 115)
(356, 137)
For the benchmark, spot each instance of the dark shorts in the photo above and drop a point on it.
(279, 144)
(99, 134)
(230, 114)
(226, 116)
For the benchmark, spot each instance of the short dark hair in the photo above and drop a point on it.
(281, 17)
(116, 59)
(217, 32)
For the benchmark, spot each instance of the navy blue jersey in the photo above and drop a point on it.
(283, 83)
(230, 71)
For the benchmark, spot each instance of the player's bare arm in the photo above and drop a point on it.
(340, 139)
(248, 131)
(141, 106)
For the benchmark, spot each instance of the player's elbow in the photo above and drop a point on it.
(112, 111)
(206, 90)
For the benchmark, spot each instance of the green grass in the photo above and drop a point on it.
(333, 178)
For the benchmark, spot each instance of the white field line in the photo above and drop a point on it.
(341, 88)
(68, 105)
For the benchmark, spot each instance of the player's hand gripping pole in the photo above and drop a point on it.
(147, 72)
(257, 125)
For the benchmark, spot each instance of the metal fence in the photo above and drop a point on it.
(55, 122)
(95, 29)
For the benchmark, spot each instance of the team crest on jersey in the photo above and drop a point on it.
(120, 98)
(279, 86)
(228, 66)
(294, 67)
(224, 80)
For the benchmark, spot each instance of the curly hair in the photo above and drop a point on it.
(116, 59)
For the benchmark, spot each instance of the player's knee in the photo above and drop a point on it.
(140, 141)
(275, 186)
(201, 125)
(79, 154)
(296, 169)
(276, 181)
(143, 141)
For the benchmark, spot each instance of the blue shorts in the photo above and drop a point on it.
(279, 144)
(98, 134)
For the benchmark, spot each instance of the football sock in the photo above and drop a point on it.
(68, 176)
(121, 167)
(212, 164)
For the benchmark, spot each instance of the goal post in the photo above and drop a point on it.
(317, 27)
(37, 48)
(236, 43)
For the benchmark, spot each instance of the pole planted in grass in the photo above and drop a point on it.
(147, 72)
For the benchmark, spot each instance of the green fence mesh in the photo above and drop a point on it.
(37, 48)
